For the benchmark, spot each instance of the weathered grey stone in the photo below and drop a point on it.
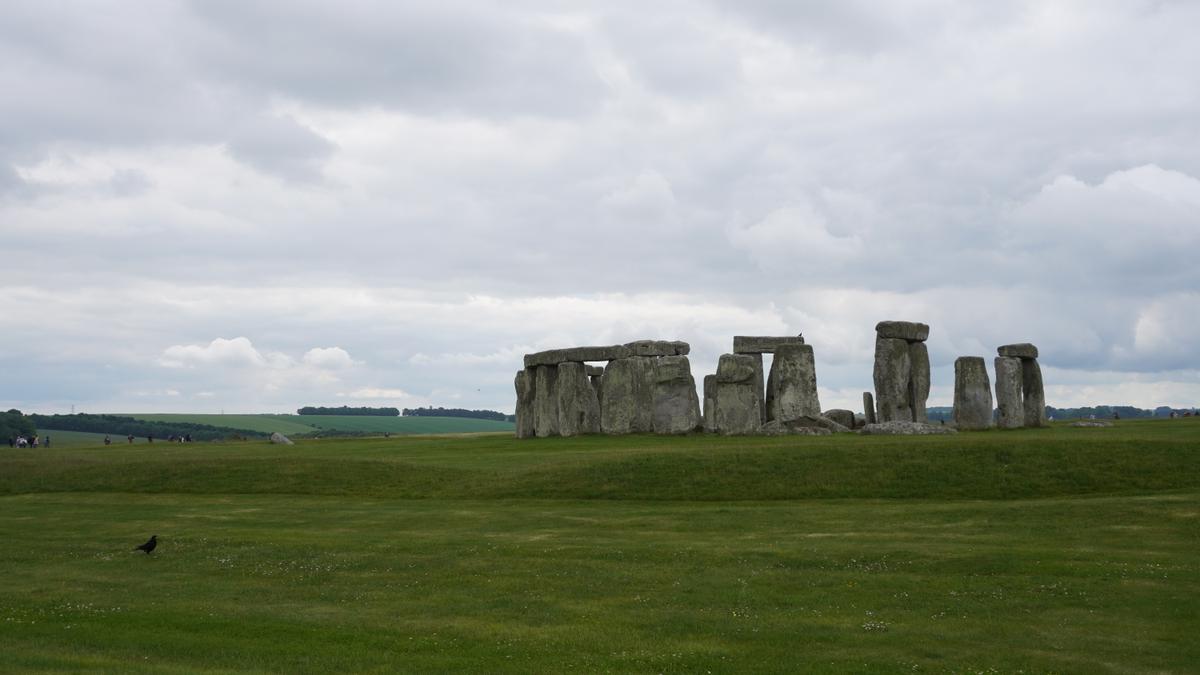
(524, 387)
(792, 384)
(893, 367)
(1008, 393)
(578, 406)
(1033, 393)
(903, 330)
(817, 422)
(598, 385)
(545, 402)
(595, 371)
(736, 369)
(760, 385)
(777, 428)
(281, 439)
(869, 408)
(972, 394)
(918, 380)
(710, 385)
(841, 416)
(737, 402)
(627, 390)
(676, 406)
(1021, 350)
(553, 357)
(658, 348)
(760, 344)
(1091, 423)
(905, 429)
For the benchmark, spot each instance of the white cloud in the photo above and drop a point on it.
(330, 358)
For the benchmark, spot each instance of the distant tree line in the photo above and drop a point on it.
(1099, 411)
(459, 412)
(118, 425)
(13, 423)
(346, 410)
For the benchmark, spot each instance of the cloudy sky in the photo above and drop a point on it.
(255, 205)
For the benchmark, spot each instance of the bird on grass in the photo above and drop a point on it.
(148, 547)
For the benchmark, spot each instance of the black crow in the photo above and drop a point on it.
(148, 547)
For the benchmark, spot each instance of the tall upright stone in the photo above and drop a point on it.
(578, 407)
(524, 387)
(869, 408)
(545, 402)
(676, 406)
(737, 407)
(710, 392)
(1008, 393)
(972, 394)
(760, 384)
(918, 382)
(792, 384)
(893, 368)
(627, 389)
(1033, 393)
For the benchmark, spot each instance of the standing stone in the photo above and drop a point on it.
(545, 402)
(972, 394)
(868, 408)
(893, 366)
(918, 383)
(737, 407)
(524, 386)
(759, 384)
(710, 388)
(1008, 392)
(627, 389)
(792, 384)
(676, 407)
(1033, 393)
(578, 407)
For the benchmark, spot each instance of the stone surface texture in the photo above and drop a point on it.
(903, 330)
(1008, 393)
(869, 408)
(281, 439)
(676, 406)
(578, 407)
(1022, 350)
(1033, 393)
(918, 383)
(627, 389)
(905, 429)
(710, 386)
(792, 384)
(545, 402)
(893, 367)
(841, 416)
(737, 402)
(761, 344)
(777, 428)
(972, 394)
(524, 386)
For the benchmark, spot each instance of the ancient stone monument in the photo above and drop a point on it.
(901, 371)
(868, 408)
(972, 394)
(646, 386)
(736, 397)
(1020, 393)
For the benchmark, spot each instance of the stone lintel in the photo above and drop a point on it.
(903, 330)
(763, 344)
(1021, 350)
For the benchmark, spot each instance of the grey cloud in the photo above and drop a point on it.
(280, 145)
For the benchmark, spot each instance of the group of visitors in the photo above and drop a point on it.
(15, 441)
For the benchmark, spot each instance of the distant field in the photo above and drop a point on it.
(1061, 550)
(74, 439)
(303, 424)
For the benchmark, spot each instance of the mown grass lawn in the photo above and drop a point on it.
(638, 554)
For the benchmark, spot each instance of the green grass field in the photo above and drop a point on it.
(307, 424)
(1057, 550)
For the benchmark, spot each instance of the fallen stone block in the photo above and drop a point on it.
(281, 439)
(777, 428)
(905, 429)
(841, 416)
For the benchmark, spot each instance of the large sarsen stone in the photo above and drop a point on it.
(792, 384)
(578, 408)
(972, 394)
(893, 366)
(676, 406)
(627, 389)
(1008, 392)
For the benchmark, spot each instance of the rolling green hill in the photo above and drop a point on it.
(1052, 550)
(314, 424)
